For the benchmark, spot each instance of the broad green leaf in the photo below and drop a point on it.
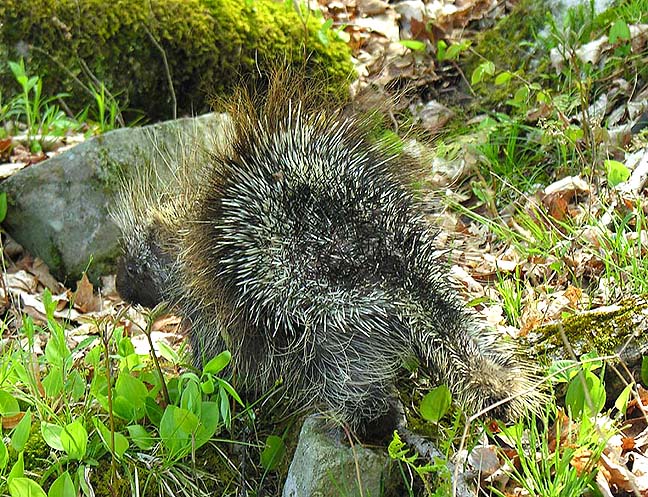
(416, 45)
(435, 404)
(191, 397)
(209, 419)
(503, 78)
(273, 453)
(125, 347)
(75, 386)
(8, 404)
(167, 352)
(130, 397)
(442, 46)
(21, 432)
(140, 437)
(52, 435)
(53, 382)
(563, 370)
(208, 386)
(617, 172)
(576, 399)
(4, 455)
(454, 50)
(63, 486)
(621, 403)
(644, 370)
(18, 469)
(218, 363)
(176, 429)
(619, 31)
(121, 442)
(24, 487)
(153, 411)
(74, 439)
(322, 33)
(225, 407)
(230, 390)
(483, 69)
(519, 97)
(3, 206)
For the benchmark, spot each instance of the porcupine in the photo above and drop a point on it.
(308, 257)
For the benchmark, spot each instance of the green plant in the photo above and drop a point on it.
(510, 290)
(399, 452)
(41, 116)
(543, 466)
(436, 403)
(621, 250)
(114, 412)
(108, 114)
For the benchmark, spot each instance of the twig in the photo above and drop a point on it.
(167, 70)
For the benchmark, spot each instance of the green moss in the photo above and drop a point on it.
(109, 173)
(210, 46)
(505, 45)
(36, 449)
(603, 332)
(105, 485)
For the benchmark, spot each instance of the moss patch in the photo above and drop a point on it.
(505, 46)
(603, 332)
(210, 46)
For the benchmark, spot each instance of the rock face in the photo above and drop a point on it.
(58, 209)
(324, 467)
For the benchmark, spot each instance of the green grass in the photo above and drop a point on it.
(43, 119)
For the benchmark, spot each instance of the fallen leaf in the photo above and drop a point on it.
(627, 443)
(582, 461)
(42, 272)
(84, 298)
(9, 422)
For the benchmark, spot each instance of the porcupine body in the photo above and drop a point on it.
(308, 257)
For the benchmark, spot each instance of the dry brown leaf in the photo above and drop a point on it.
(24, 155)
(5, 148)
(582, 461)
(42, 272)
(627, 443)
(9, 422)
(557, 204)
(616, 474)
(574, 296)
(484, 460)
(84, 298)
(169, 324)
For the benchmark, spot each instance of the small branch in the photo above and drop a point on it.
(168, 72)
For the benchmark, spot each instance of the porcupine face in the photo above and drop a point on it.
(143, 271)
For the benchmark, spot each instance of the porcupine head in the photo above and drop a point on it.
(311, 253)
(152, 207)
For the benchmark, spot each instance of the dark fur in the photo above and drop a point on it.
(311, 261)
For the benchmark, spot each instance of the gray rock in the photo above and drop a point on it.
(58, 209)
(324, 467)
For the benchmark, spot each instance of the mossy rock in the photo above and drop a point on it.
(210, 45)
(618, 331)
